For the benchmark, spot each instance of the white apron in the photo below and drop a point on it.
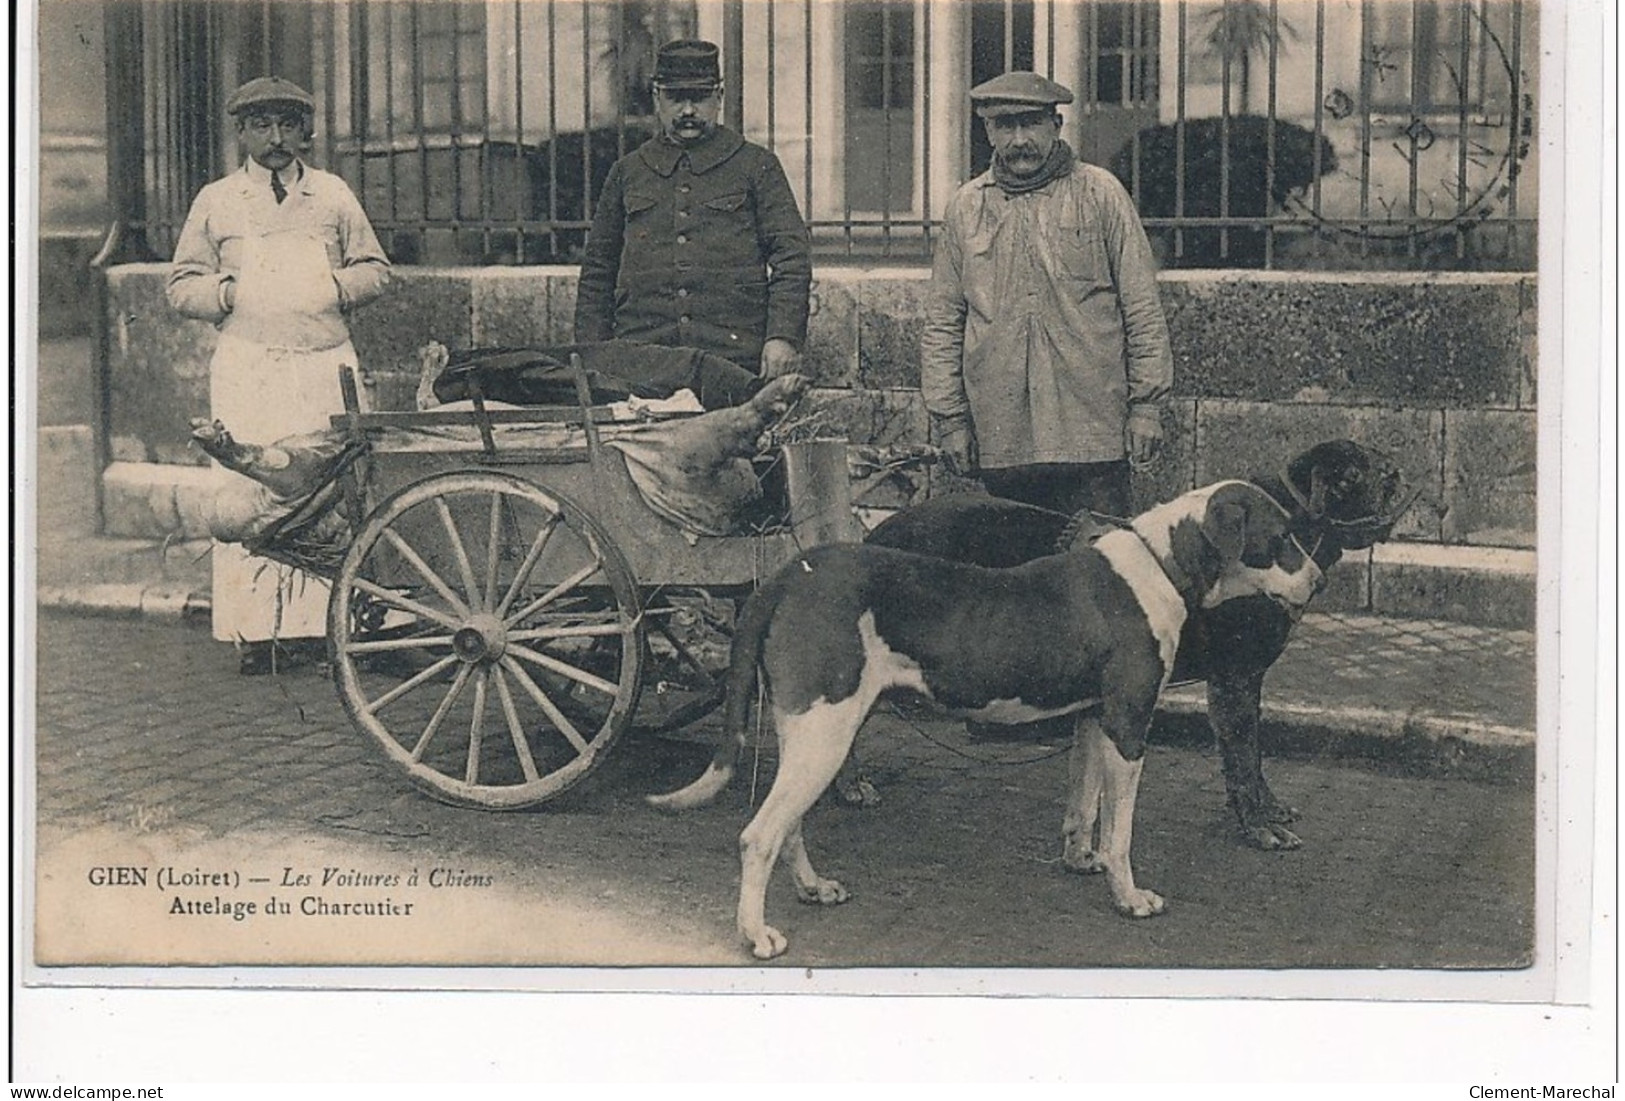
(262, 393)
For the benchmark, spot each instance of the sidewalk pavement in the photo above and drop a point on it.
(1348, 685)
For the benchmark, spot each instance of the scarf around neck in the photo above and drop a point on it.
(1057, 164)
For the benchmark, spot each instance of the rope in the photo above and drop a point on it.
(978, 758)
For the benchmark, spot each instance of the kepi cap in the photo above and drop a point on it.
(687, 63)
(268, 92)
(1017, 93)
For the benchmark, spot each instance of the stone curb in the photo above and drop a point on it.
(1373, 722)
(164, 603)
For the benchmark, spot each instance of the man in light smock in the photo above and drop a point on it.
(1045, 358)
(276, 255)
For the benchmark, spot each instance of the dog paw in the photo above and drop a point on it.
(767, 943)
(1081, 859)
(826, 892)
(1141, 904)
(858, 793)
(1271, 837)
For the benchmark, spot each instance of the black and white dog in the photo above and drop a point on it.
(1099, 624)
(1341, 496)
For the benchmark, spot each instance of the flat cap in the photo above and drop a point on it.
(268, 91)
(1017, 93)
(687, 63)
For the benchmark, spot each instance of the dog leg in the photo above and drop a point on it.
(1121, 787)
(812, 746)
(810, 886)
(1233, 709)
(1083, 799)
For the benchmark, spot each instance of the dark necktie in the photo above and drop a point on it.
(277, 189)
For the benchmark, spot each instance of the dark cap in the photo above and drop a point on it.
(269, 93)
(687, 63)
(1017, 94)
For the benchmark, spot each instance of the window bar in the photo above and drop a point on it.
(1179, 131)
(1135, 86)
(455, 107)
(1464, 14)
(360, 97)
(886, 10)
(1320, 117)
(389, 117)
(520, 190)
(267, 55)
(846, 190)
(1413, 133)
(165, 116)
(1515, 118)
(1131, 55)
(807, 93)
(620, 83)
(1483, 49)
(1367, 15)
(772, 78)
(586, 110)
(1224, 142)
(1269, 136)
(320, 29)
(924, 117)
(1049, 37)
(1009, 35)
(1093, 56)
(552, 126)
(414, 24)
(185, 145)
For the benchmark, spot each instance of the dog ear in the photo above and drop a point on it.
(1225, 526)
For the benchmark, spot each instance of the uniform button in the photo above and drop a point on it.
(684, 320)
(682, 238)
(733, 336)
(682, 214)
(682, 292)
(684, 188)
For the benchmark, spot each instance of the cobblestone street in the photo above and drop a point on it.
(148, 738)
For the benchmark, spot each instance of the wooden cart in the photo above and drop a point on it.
(490, 624)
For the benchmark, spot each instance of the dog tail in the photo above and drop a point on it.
(743, 661)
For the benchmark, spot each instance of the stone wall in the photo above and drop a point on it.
(1437, 369)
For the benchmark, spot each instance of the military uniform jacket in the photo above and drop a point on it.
(700, 246)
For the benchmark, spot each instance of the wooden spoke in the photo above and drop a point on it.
(516, 729)
(399, 543)
(404, 687)
(564, 669)
(476, 726)
(407, 604)
(440, 713)
(549, 708)
(582, 630)
(532, 556)
(555, 592)
(459, 551)
(493, 554)
(413, 642)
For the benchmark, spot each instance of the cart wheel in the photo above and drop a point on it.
(488, 635)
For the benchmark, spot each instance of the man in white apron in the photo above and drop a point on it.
(276, 255)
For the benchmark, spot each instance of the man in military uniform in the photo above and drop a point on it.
(697, 241)
(1045, 358)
